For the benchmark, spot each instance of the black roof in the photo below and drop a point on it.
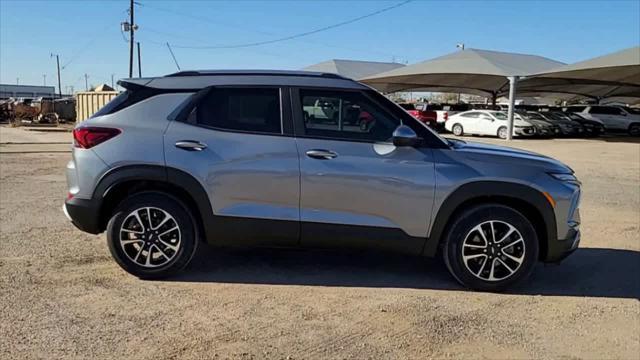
(198, 79)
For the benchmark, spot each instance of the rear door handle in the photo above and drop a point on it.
(321, 154)
(191, 145)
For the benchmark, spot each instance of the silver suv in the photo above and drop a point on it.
(314, 160)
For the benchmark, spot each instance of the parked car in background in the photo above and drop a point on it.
(543, 127)
(614, 118)
(592, 127)
(421, 113)
(630, 110)
(204, 157)
(485, 107)
(487, 122)
(447, 110)
(567, 126)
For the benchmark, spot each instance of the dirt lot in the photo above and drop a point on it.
(63, 297)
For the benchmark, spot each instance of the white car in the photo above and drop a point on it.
(613, 117)
(487, 122)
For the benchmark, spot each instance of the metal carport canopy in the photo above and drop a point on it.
(473, 71)
(613, 75)
(353, 69)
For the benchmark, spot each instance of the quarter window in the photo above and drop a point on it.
(242, 109)
(346, 115)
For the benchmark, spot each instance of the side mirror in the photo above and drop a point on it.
(405, 136)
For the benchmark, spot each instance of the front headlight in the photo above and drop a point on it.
(568, 178)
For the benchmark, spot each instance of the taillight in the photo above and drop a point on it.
(90, 136)
(446, 116)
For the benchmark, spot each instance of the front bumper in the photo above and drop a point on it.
(561, 248)
(524, 131)
(83, 214)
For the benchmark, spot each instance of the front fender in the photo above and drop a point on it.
(490, 191)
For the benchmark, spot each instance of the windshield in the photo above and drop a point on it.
(635, 111)
(573, 116)
(556, 116)
(534, 116)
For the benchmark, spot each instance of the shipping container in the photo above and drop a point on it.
(88, 103)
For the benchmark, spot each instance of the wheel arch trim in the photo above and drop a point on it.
(485, 191)
(161, 174)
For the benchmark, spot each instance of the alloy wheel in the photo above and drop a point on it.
(150, 237)
(493, 250)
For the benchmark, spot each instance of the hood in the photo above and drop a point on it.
(507, 154)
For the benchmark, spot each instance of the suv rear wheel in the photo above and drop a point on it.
(489, 247)
(151, 235)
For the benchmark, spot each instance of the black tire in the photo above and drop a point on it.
(457, 130)
(634, 129)
(502, 132)
(463, 227)
(186, 237)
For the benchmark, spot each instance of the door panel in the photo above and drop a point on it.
(470, 123)
(486, 125)
(376, 185)
(356, 188)
(246, 175)
(249, 177)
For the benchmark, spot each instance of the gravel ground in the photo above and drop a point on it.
(63, 297)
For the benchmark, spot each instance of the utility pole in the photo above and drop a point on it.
(17, 81)
(113, 87)
(131, 29)
(173, 56)
(461, 47)
(86, 83)
(58, 65)
(139, 64)
(44, 79)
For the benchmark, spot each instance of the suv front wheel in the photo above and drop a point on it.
(490, 247)
(151, 235)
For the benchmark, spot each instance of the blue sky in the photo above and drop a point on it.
(86, 34)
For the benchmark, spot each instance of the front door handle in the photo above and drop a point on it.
(321, 154)
(191, 145)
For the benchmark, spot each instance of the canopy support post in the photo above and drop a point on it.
(512, 100)
(494, 98)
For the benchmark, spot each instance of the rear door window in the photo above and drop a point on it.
(241, 109)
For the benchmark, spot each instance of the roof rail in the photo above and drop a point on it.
(254, 72)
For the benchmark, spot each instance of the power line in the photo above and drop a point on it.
(82, 49)
(294, 36)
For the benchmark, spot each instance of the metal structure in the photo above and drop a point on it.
(613, 75)
(353, 69)
(472, 71)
